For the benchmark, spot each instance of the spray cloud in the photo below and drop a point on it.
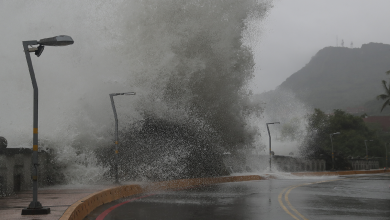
(189, 62)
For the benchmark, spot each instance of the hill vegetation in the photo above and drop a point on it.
(341, 78)
(349, 142)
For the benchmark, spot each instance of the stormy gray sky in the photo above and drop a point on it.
(295, 30)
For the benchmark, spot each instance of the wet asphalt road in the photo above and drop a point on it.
(352, 197)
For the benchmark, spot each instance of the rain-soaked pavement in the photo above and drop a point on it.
(353, 197)
(57, 198)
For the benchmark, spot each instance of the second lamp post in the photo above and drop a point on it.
(116, 130)
(269, 134)
(331, 141)
(387, 166)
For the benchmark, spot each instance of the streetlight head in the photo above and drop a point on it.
(276, 122)
(39, 50)
(129, 93)
(336, 133)
(61, 40)
(123, 93)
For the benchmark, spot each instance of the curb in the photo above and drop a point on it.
(184, 183)
(80, 209)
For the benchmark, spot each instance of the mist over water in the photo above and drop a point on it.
(189, 62)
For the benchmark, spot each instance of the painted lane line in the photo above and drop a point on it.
(106, 212)
(288, 190)
(284, 207)
(289, 204)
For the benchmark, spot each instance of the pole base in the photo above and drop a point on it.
(35, 208)
(41, 211)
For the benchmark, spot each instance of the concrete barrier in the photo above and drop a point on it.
(185, 183)
(282, 163)
(80, 209)
(338, 173)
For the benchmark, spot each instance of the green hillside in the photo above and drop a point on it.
(341, 78)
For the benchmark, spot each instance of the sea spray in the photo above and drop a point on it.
(196, 67)
(189, 62)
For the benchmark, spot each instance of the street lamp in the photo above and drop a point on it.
(365, 143)
(116, 130)
(35, 207)
(331, 141)
(387, 165)
(269, 134)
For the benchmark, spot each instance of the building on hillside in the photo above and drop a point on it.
(382, 121)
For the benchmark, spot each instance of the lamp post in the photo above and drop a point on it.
(116, 130)
(387, 165)
(35, 207)
(331, 141)
(365, 143)
(269, 134)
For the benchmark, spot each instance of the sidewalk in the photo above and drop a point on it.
(58, 199)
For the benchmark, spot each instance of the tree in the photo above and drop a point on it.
(314, 141)
(350, 141)
(386, 95)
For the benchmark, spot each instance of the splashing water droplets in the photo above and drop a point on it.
(189, 62)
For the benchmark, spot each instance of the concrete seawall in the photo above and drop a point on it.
(340, 173)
